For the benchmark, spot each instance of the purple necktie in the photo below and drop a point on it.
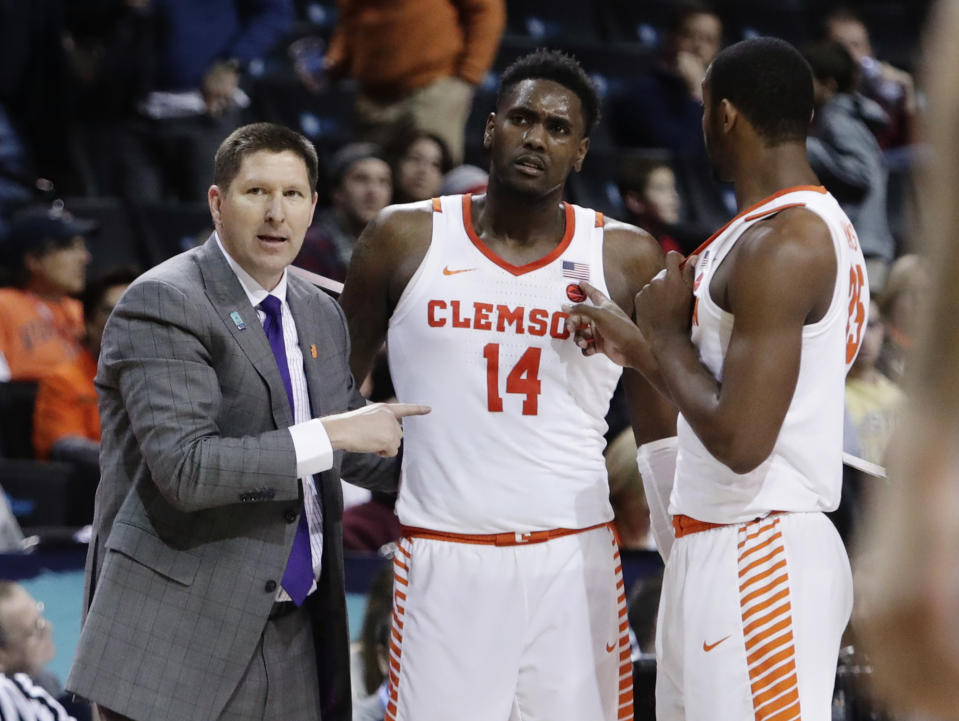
(298, 576)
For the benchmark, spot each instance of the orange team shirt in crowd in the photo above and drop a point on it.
(66, 404)
(38, 334)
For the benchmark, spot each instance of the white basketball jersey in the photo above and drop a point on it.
(804, 471)
(515, 438)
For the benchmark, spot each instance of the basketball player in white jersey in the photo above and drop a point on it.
(509, 598)
(752, 341)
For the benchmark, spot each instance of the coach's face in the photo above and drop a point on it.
(536, 137)
(263, 214)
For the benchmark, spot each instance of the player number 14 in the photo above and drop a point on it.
(523, 379)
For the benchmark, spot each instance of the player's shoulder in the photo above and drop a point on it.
(404, 219)
(795, 234)
(790, 254)
(625, 243)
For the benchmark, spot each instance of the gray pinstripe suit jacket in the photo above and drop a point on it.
(191, 530)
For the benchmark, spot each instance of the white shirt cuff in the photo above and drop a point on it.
(314, 452)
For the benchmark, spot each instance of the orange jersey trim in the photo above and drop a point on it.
(506, 265)
(685, 525)
(437, 205)
(796, 188)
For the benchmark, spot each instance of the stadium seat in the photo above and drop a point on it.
(17, 400)
(38, 491)
(170, 228)
(560, 21)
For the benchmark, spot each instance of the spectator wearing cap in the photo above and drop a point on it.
(66, 423)
(362, 185)
(45, 255)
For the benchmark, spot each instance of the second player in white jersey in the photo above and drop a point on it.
(485, 343)
(804, 471)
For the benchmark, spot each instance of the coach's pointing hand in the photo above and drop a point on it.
(374, 428)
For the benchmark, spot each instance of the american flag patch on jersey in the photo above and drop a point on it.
(580, 271)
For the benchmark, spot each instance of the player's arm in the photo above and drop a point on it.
(385, 257)
(781, 277)
(632, 257)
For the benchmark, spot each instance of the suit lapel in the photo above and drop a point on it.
(242, 323)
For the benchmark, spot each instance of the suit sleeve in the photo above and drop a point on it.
(159, 357)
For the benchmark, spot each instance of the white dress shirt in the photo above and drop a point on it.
(314, 453)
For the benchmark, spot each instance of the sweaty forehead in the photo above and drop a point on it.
(546, 96)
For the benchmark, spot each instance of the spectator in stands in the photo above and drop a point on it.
(663, 108)
(416, 62)
(362, 185)
(15, 188)
(420, 159)
(647, 185)
(66, 425)
(40, 323)
(873, 401)
(11, 537)
(846, 157)
(26, 637)
(369, 661)
(370, 525)
(464, 179)
(194, 98)
(902, 302)
(893, 89)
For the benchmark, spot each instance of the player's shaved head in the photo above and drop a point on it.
(769, 82)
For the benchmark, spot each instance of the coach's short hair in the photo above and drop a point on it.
(252, 138)
(560, 68)
(769, 82)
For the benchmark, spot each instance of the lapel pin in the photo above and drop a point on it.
(237, 320)
(313, 350)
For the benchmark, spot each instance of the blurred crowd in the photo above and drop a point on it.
(111, 109)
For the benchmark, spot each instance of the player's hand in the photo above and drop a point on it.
(664, 306)
(374, 428)
(603, 327)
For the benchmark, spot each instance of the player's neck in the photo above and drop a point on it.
(770, 170)
(515, 219)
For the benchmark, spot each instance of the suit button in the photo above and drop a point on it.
(244, 498)
(289, 515)
(270, 586)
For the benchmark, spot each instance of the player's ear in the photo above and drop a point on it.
(581, 154)
(488, 132)
(728, 115)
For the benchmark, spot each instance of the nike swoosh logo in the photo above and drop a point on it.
(447, 271)
(610, 647)
(707, 647)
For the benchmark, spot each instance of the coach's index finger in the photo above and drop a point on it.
(401, 410)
